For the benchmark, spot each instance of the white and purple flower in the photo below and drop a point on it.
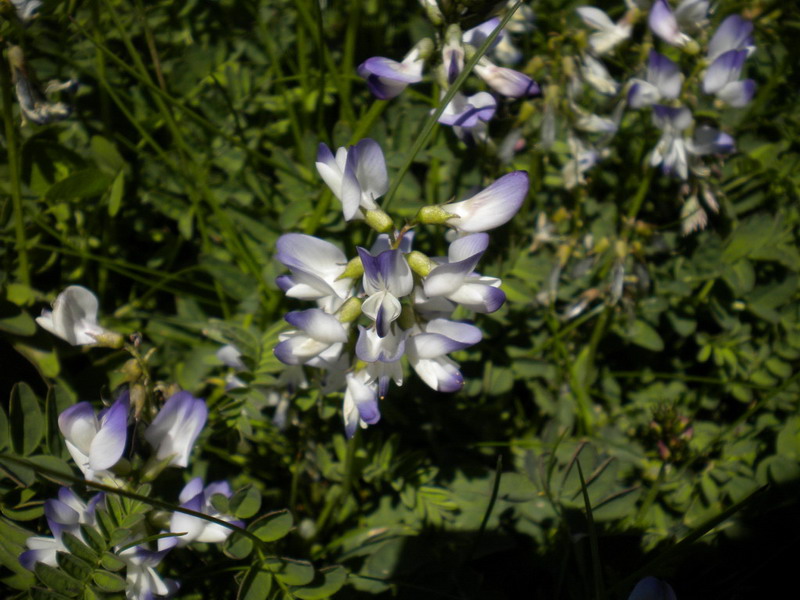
(74, 318)
(663, 80)
(198, 498)
(174, 430)
(387, 78)
(492, 206)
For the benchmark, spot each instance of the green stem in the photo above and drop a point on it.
(23, 268)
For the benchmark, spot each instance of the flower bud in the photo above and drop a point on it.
(350, 310)
(138, 398)
(353, 270)
(131, 370)
(433, 215)
(420, 263)
(379, 221)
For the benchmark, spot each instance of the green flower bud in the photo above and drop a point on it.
(379, 221)
(353, 270)
(433, 215)
(350, 310)
(420, 263)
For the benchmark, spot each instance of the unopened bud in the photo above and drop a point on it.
(621, 249)
(424, 48)
(138, 396)
(109, 339)
(353, 270)
(420, 263)
(408, 317)
(379, 221)
(350, 310)
(691, 48)
(131, 370)
(433, 215)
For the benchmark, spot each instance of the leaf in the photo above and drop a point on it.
(256, 585)
(93, 538)
(81, 184)
(109, 582)
(25, 419)
(112, 562)
(79, 548)
(19, 324)
(327, 582)
(237, 546)
(644, 335)
(54, 466)
(74, 566)
(5, 442)
(273, 526)
(245, 502)
(291, 571)
(106, 155)
(58, 580)
(115, 196)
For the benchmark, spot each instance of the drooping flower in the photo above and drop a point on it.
(317, 267)
(64, 514)
(427, 347)
(356, 175)
(198, 498)
(456, 280)
(387, 78)
(491, 207)
(317, 334)
(664, 80)
(722, 79)
(74, 318)
(174, 430)
(143, 581)
(96, 442)
(360, 403)
(670, 151)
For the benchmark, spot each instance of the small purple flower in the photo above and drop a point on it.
(317, 267)
(664, 80)
(663, 23)
(427, 346)
(96, 442)
(198, 498)
(387, 277)
(356, 175)
(176, 427)
(722, 79)
(143, 581)
(318, 334)
(387, 78)
(468, 111)
(734, 33)
(360, 402)
(507, 82)
(492, 206)
(456, 280)
(608, 34)
(707, 140)
(670, 151)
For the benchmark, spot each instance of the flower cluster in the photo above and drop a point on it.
(406, 298)
(103, 447)
(467, 114)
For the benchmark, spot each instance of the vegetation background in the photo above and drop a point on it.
(597, 439)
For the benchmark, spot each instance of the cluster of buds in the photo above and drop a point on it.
(467, 114)
(406, 298)
(101, 445)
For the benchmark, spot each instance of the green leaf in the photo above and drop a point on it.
(5, 442)
(55, 464)
(273, 526)
(93, 538)
(58, 580)
(106, 155)
(644, 335)
(221, 504)
(327, 582)
(112, 562)
(115, 196)
(25, 419)
(291, 571)
(79, 548)
(81, 184)
(256, 585)
(19, 324)
(42, 594)
(237, 546)
(246, 502)
(108, 582)
(74, 566)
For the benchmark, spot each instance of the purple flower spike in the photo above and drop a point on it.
(387, 78)
(664, 24)
(491, 207)
(176, 427)
(734, 33)
(507, 82)
(95, 443)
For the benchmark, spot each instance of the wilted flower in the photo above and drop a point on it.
(176, 427)
(74, 319)
(198, 498)
(96, 442)
(32, 101)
